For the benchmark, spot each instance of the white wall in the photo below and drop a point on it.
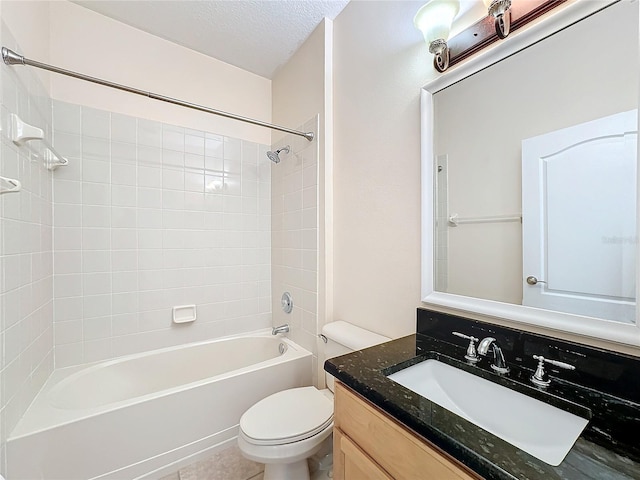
(87, 42)
(29, 23)
(380, 64)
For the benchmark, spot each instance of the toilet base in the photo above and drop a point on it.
(287, 471)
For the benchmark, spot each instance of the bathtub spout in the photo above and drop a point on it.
(281, 329)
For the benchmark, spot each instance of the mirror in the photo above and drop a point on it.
(530, 173)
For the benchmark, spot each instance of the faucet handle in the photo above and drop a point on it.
(540, 378)
(471, 355)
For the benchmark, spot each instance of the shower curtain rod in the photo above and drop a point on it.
(12, 58)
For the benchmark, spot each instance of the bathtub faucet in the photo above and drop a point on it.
(281, 329)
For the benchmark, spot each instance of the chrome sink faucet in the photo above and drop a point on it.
(499, 365)
(281, 329)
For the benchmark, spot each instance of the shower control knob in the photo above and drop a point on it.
(287, 302)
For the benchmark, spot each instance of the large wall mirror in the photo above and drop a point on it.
(530, 155)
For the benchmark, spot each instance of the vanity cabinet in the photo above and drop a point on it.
(368, 444)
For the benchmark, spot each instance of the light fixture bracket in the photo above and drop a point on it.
(501, 11)
(440, 53)
(437, 46)
(490, 29)
(499, 7)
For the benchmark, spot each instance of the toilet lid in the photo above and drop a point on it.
(287, 416)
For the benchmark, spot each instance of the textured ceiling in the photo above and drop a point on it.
(255, 35)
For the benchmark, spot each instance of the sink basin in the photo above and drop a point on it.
(540, 429)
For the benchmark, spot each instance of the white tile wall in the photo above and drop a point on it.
(26, 259)
(148, 216)
(294, 233)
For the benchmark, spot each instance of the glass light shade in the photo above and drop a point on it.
(435, 17)
(487, 3)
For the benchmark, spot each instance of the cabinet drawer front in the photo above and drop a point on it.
(399, 452)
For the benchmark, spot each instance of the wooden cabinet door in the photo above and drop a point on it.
(353, 463)
(368, 444)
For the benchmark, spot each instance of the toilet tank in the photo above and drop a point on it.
(344, 337)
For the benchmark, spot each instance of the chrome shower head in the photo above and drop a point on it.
(274, 156)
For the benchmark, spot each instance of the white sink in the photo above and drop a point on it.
(544, 431)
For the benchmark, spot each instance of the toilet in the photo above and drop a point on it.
(284, 429)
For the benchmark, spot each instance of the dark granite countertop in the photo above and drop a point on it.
(607, 448)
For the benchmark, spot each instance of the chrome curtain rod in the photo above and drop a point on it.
(12, 58)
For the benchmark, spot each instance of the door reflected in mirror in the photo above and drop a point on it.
(536, 172)
(579, 218)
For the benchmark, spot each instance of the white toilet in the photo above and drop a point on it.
(286, 428)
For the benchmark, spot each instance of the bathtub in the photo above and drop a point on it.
(146, 415)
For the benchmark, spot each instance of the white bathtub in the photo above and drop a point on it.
(145, 415)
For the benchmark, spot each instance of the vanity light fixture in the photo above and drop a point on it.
(434, 20)
(501, 11)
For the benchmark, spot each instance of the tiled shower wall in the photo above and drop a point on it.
(26, 259)
(148, 216)
(295, 238)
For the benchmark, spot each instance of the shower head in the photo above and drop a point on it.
(274, 156)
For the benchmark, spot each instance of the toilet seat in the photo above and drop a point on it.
(287, 416)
